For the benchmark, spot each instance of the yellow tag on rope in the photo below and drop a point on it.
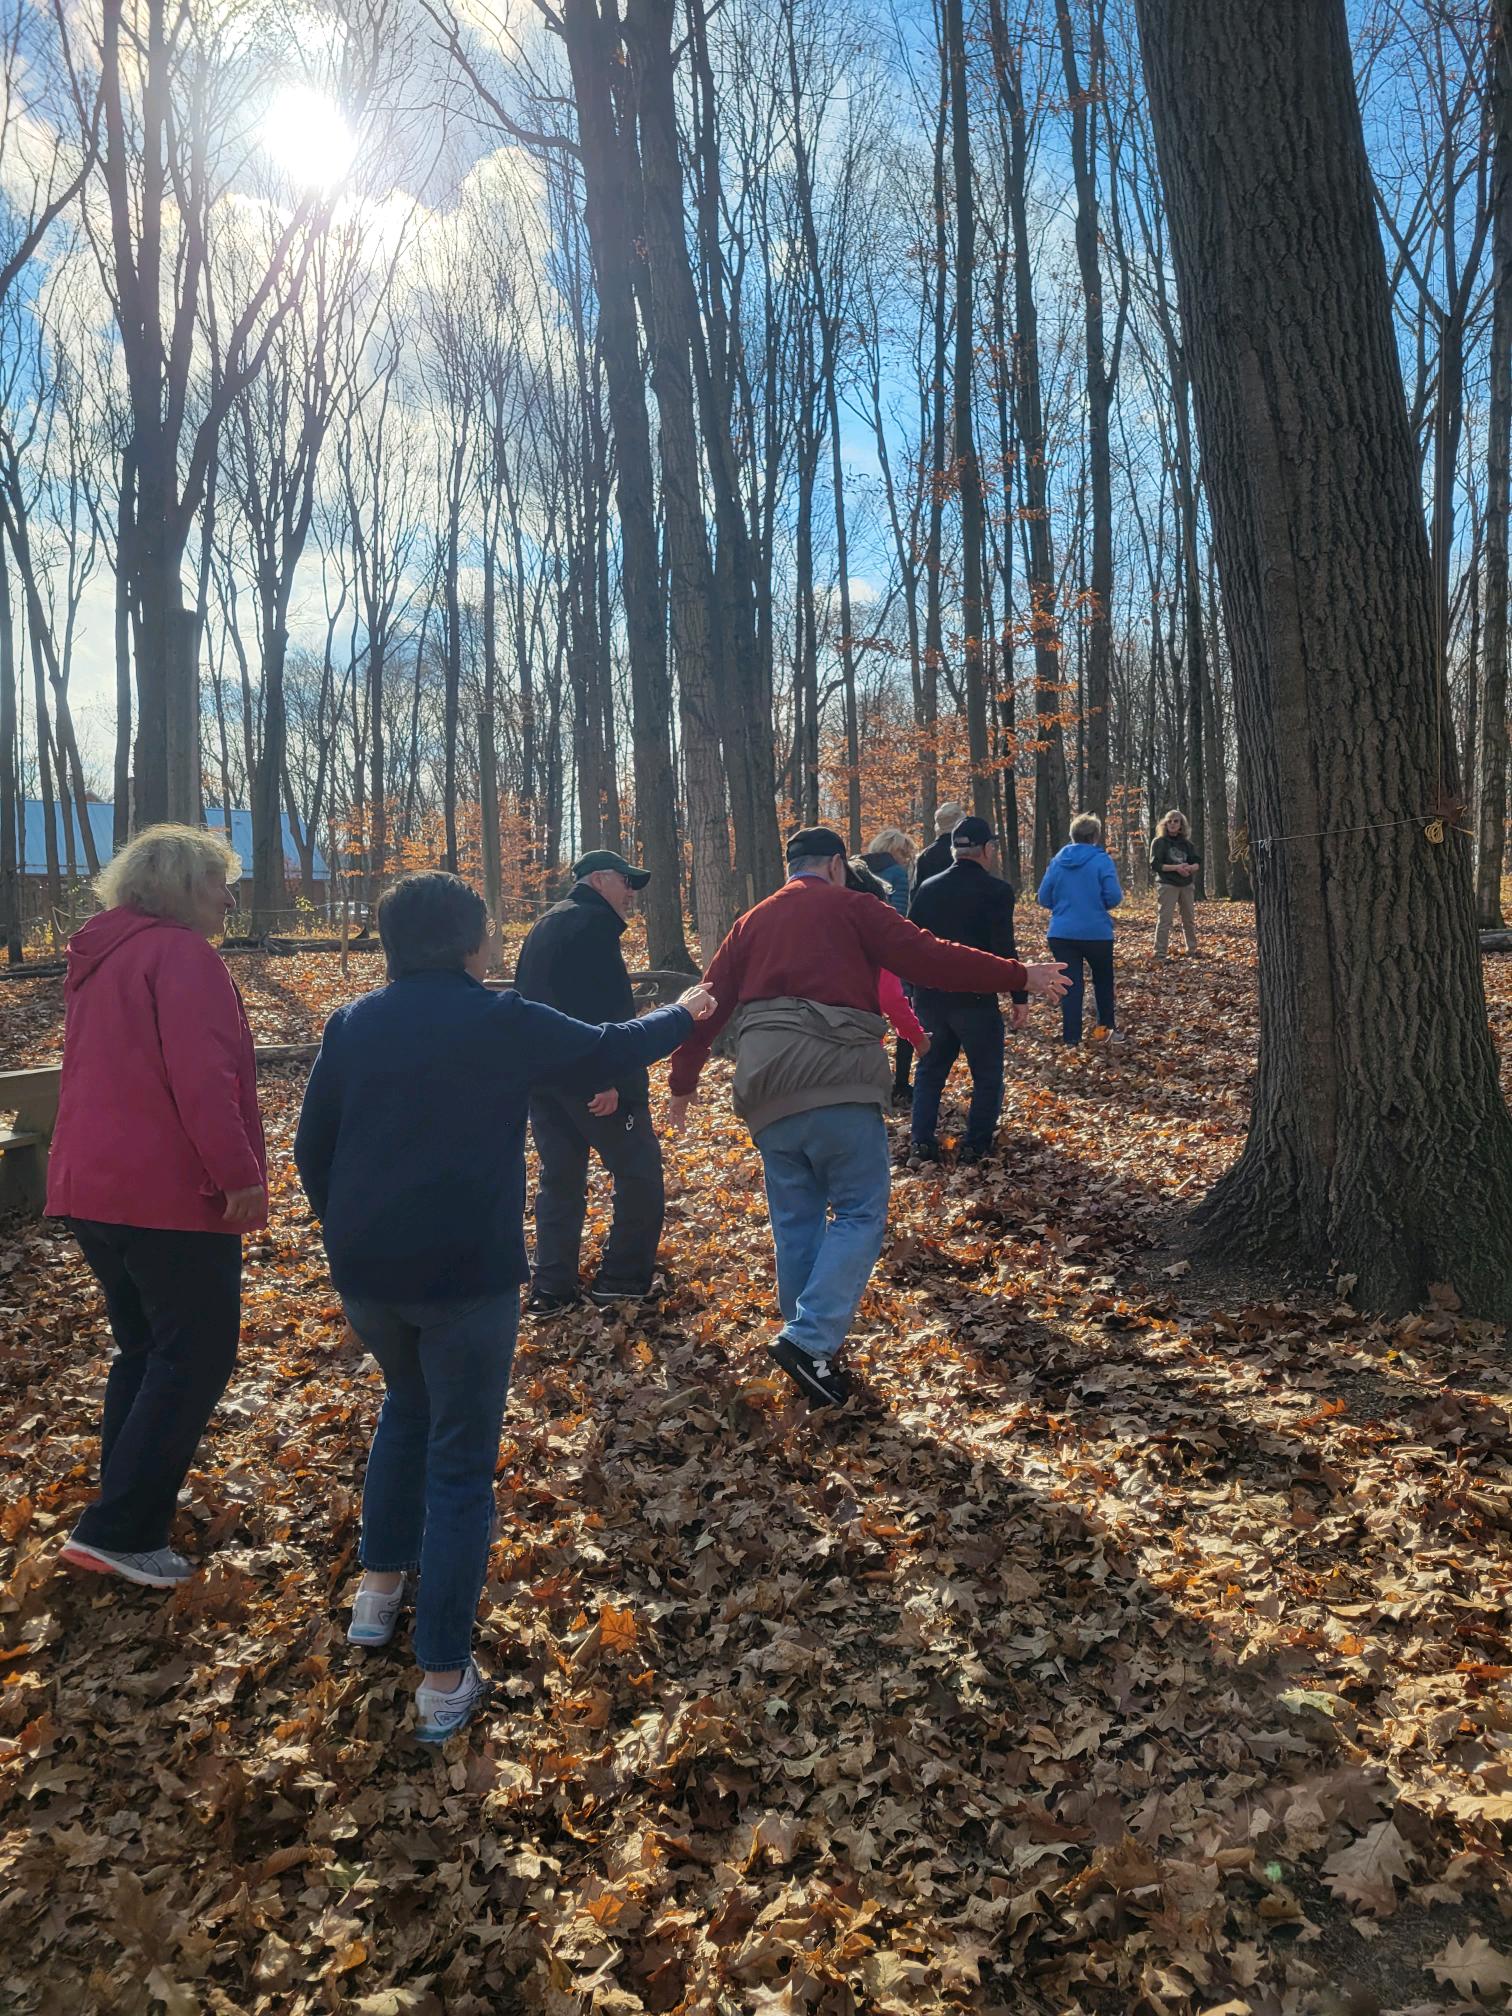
(1434, 832)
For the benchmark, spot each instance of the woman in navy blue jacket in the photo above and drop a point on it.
(411, 1149)
(1080, 889)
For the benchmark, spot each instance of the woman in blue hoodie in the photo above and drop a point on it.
(1079, 890)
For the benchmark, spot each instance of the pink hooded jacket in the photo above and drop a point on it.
(157, 1106)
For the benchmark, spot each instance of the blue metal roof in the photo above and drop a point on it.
(101, 824)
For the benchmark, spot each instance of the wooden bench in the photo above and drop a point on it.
(32, 1096)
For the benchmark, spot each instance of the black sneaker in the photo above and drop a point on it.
(920, 1152)
(615, 1298)
(820, 1380)
(552, 1305)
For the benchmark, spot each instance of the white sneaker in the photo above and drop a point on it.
(375, 1615)
(439, 1715)
(160, 1569)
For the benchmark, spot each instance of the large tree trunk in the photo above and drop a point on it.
(698, 644)
(593, 50)
(1379, 1140)
(1491, 780)
(1099, 616)
(1052, 811)
(968, 470)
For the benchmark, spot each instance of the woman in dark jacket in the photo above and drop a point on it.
(411, 1149)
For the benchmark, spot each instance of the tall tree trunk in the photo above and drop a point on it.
(1491, 782)
(1379, 1139)
(121, 812)
(698, 644)
(968, 470)
(1052, 818)
(1097, 627)
(593, 51)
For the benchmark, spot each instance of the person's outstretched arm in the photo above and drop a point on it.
(894, 1005)
(958, 969)
(722, 978)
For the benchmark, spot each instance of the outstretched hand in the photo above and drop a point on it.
(677, 1112)
(698, 1001)
(1049, 980)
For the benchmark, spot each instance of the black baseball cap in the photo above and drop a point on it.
(616, 864)
(814, 841)
(970, 832)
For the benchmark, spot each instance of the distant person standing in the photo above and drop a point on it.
(937, 857)
(969, 904)
(890, 858)
(1080, 890)
(571, 961)
(1175, 862)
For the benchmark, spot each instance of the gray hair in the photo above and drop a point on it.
(1086, 828)
(947, 816)
(811, 864)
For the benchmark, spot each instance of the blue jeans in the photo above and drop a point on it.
(828, 1174)
(1098, 953)
(428, 1497)
(957, 1022)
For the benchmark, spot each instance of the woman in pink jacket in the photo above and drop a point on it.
(158, 1166)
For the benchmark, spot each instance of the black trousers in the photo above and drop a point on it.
(627, 1146)
(174, 1302)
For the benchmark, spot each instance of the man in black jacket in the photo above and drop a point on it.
(572, 961)
(972, 905)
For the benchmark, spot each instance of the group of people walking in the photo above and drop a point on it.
(411, 1151)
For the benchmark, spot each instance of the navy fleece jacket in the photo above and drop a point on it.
(411, 1143)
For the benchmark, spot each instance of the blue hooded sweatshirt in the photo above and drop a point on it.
(1079, 889)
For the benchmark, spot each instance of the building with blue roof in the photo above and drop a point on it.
(101, 826)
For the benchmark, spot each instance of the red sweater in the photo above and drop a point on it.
(157, 1104)
(817, 942)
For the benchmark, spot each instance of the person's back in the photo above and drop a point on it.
(1079, 888)
(969, 905)
(426, 1181)
(811, 1081)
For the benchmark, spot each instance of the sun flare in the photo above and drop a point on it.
(308, 136)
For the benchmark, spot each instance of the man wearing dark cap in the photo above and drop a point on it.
(812, 1080)
(972, 904)
(571, 960)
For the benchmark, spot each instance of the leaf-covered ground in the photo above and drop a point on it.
(1137, 1641)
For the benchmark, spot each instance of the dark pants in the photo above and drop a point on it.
(174, 1302)
(1098, 953)
(626, 1143)
(973, 1023)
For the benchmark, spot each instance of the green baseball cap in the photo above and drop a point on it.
(616, 864)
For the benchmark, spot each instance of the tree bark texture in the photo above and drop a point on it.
(1379, 1140)
(1491, 779)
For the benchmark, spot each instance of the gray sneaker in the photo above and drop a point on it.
(161, 1569)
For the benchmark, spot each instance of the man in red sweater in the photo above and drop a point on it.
(812, 1080)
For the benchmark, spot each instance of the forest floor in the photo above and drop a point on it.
(1135, 1642)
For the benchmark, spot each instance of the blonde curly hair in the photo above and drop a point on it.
(160, 870)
